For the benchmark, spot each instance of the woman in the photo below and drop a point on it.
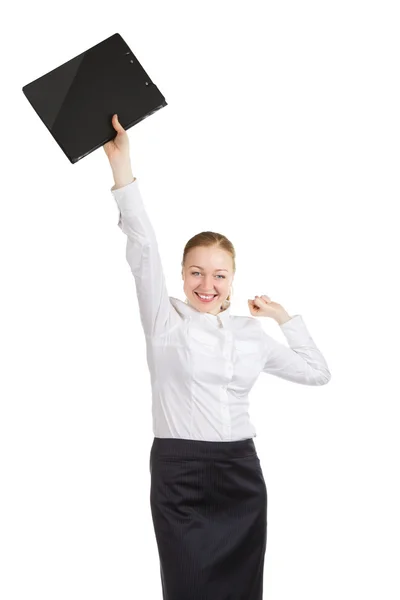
(208, 495)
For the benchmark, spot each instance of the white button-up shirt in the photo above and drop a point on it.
(203, 366)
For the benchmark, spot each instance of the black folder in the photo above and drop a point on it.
(76, 101)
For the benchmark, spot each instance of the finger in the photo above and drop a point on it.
(117, 124)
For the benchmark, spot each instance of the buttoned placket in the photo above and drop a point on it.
(227, 351)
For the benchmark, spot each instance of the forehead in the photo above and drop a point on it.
(210, 257)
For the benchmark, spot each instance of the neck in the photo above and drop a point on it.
(221, 308)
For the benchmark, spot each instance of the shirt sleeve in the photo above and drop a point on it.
(144, 260)
(301, 362)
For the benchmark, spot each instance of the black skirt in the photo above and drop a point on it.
(209, 509)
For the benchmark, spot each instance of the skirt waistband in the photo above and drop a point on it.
(185, 448)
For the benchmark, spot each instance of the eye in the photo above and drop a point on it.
(194, 273)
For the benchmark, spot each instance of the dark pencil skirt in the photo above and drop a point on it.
(209, 509)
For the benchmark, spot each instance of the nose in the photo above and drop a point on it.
(208, 284)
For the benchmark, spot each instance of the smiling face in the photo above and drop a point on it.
(207, 271)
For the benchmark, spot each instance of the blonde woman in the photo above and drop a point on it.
(208, 495)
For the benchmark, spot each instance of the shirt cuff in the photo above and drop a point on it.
(295, 331)
(297, 317)
(128, 199)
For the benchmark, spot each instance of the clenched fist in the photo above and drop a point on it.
(262, 306)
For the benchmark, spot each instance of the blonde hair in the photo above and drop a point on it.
(208, 239)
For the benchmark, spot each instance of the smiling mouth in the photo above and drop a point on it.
(208, 300)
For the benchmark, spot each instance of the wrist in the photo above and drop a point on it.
(122, 174)
(282, 318)
(122, 180)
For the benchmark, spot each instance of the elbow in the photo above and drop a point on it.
(323, 377)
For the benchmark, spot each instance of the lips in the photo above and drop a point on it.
(209, 300)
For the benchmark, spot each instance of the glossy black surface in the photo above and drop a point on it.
(77, 100)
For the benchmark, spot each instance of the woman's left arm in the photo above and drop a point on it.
(301, 362)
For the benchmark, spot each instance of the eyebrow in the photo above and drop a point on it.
(201, 268)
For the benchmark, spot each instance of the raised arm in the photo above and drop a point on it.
(141, 249)
(302, 362)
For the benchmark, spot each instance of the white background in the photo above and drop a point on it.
(281, 132)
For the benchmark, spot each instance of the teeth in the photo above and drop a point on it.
(205, 297)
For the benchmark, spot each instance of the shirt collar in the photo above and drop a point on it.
(186, 309)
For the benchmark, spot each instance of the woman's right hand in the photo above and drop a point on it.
(117, 149)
